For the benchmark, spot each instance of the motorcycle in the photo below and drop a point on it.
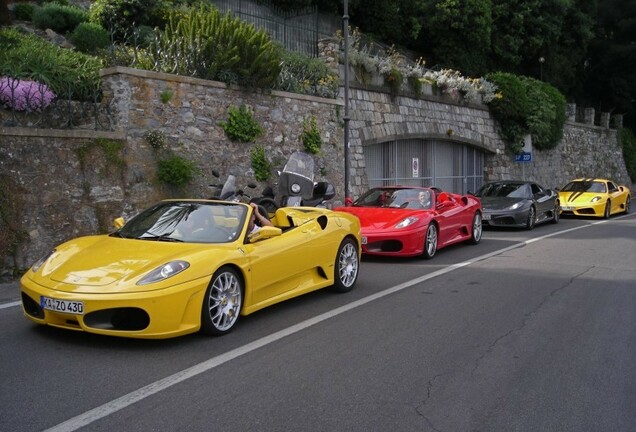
(296, 186)
(229, 191)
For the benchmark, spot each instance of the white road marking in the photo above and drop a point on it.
(113, 406)
(8, 305)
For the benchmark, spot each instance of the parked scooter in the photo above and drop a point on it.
(296, 186)
(229, 191)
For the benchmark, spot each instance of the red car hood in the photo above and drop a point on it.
(380, 218)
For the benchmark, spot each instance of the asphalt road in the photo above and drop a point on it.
(527, 331)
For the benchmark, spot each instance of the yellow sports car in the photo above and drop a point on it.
(187, 265)
(594, 197)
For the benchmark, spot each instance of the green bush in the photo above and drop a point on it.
(260, 164)
(203, 43)
(24, 11)
(303, 74)
(546, 116)
(241, 125)
(310, 136)
(122, 17)
(70, 74)
(176, 171)
(510, 109)
(60, 18)
(90, 38)
(628, 142)
(155, 138)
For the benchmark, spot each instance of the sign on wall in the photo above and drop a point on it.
(526, 151)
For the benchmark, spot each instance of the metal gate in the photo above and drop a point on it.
(451, 166)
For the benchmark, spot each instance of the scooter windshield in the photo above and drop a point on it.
(229, 188)
(301, 164)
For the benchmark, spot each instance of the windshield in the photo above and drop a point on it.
(301, 164)
(190, 222)
(418, 198)
(229, 188)
(584, 186)
(508, 190)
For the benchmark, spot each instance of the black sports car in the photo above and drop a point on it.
(513, 203)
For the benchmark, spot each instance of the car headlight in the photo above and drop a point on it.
(406, 222)
(36, 266)
(595, 199)
(515, 206)
(164, 272)
(295, 188)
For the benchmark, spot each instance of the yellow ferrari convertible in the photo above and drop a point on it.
(594, 197)
(187, 265)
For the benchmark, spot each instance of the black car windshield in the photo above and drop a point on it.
(187, 221)
(508, 190)
(419, 198)
(584, 186)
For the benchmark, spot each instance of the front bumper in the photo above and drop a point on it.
(516, 218)
(586, 209)
(403, 243)
(165, 313)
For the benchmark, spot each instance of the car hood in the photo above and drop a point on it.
(577, 197)
(378, 218)
(498, 203)
(89, 264)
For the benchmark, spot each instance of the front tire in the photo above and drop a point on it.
(608, 210)
(346, 266)
(477, 228)
(430, 242)
(627, 204)
(222, 302)
(532, 218)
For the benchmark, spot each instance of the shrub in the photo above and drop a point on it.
(546, 116)
(155, 138)
(510, 109)
(25, 95)
(241, 125)
(203, 43)
(628, 142)
(260, 164)
(310, 136)
(303, 74)
(121, 17)
(176, 171)
(24, 11)
(60, 18)
(69, 74)
(90, 38)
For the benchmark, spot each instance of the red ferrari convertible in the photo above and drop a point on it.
(411, 221)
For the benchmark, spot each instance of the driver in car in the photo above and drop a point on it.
(257, 220)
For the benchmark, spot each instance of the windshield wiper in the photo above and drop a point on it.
(161, 238)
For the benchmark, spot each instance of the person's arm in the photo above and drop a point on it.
(262, 220)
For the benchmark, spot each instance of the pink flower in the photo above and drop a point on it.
(25, 95)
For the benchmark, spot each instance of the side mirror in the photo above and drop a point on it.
(119, 222)
(264, 233)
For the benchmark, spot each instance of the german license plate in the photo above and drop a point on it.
(64, 306)
(567, 208)
(486, 217)
(364, 240)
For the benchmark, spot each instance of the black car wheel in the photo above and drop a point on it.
(430, 242)
(346, 268)
(532, 218)
(608, 210)
(556, 213)
(222, 302)
(476, 231)
(627, 203)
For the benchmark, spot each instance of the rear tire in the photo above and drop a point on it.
(222, 302)
(346, 266)
(556, 213)
(430, 241)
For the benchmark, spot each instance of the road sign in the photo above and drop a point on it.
(523, 157)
